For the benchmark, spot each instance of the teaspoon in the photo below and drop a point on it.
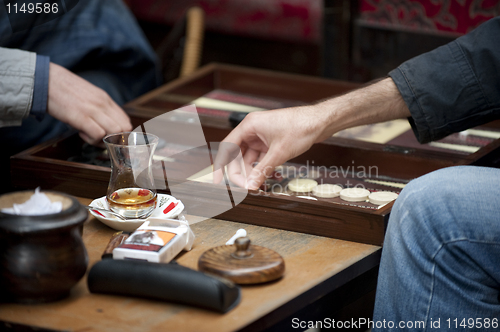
(90, 208)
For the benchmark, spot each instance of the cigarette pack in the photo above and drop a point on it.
(157, 240)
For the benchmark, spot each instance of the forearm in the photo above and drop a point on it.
(374, 103)
(273, 137)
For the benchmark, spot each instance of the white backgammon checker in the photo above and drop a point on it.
(354, 194)
(382, 197)
(302, 185)
(327, 190)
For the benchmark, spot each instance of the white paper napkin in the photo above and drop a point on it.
(38, 204)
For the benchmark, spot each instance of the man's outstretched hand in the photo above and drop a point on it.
(271, 138)
(268, 139)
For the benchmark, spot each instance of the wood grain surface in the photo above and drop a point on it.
(243, 263)
(313, 262)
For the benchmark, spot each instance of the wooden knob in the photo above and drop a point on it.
(242, 248)
(243, 263)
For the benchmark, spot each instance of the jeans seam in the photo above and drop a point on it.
(433, 258)
(434, 267)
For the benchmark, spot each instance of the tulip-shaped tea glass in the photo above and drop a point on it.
(131, 189)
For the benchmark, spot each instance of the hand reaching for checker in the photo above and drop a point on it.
(273, 137)
(82, 105)
(270, 138)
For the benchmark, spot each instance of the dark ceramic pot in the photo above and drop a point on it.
(41, 257)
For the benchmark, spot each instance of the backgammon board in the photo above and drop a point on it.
(223, 94)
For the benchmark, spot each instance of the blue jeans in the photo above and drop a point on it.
(97, 40)
(440, 265)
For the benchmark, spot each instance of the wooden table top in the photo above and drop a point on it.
(312, 264)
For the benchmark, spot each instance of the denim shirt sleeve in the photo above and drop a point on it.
(454, 87)
(41, 87)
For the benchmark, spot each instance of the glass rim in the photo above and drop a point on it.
(154, 139)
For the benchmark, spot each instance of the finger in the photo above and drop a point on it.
(108, 125)
(250, 157)
(111, 119)
(235, 136)
(249, 160)
(220, 161)
(87, 138)
(235, 174)
(91, 131)
(217, 175)
(90, 141)
(227, 152)
(261, 156)
(264, 168)
(121, 119)
(104, 111)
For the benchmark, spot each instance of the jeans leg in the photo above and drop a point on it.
(441, 256)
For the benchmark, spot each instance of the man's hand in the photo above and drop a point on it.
(273, 137)
(85, 107)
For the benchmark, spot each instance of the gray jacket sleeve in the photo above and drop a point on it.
(454, 87)
(17, 79)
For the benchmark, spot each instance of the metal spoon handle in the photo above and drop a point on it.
(90, 208)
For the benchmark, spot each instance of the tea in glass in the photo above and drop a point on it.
(131, 190)
(132, 202)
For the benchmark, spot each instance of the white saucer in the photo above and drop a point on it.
(167, 207)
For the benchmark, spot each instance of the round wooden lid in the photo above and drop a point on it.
(243, 263)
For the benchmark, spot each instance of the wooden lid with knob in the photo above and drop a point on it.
(243, 263)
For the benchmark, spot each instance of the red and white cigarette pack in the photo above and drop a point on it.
(157, 240)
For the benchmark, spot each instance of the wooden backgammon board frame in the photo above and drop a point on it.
(46, 165)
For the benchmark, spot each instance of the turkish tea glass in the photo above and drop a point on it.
(131, 190)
